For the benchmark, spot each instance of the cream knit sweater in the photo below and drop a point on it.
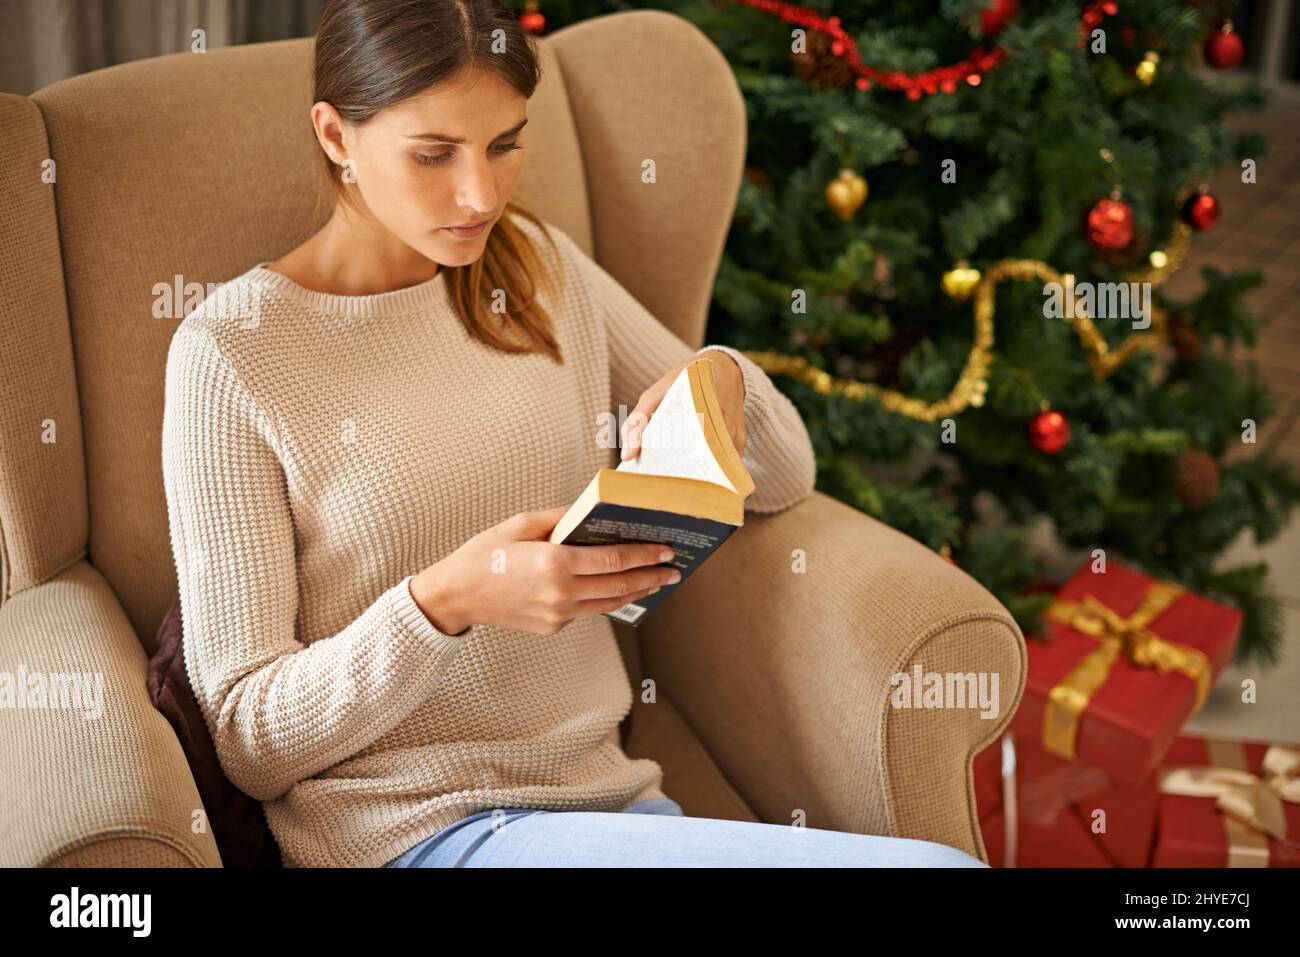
(318, 451)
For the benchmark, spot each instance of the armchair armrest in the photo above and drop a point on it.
(785, 675)
(94, 775)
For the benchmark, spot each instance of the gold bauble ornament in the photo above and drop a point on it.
(960, 281)
(846, 193)
(1147, 69)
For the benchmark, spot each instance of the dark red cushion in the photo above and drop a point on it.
(237, 821)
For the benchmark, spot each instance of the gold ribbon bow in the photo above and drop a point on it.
(1115, 635)
(1251, 805)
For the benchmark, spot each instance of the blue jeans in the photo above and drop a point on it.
(655, 833)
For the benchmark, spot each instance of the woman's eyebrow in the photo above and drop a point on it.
(444, 138)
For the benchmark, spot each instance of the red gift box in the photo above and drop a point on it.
(1056, 812)
(1048, 835)
(1065, 844)
(1237, 781)
(1113, 688)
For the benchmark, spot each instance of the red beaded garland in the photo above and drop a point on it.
(941, 78)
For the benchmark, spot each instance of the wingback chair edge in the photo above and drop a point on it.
(800, 625)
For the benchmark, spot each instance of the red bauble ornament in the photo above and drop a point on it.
(1224, 49)
(533, 21)
(997, 15)
(1049, 431)
(1109, 224)
(1201, 211)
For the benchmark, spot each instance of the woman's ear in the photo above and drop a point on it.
(327, 123)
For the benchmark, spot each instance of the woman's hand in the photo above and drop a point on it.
(730, 386)
(511, 577)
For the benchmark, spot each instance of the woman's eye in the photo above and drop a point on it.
(428, 160)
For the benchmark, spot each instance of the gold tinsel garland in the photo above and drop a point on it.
(972, 384)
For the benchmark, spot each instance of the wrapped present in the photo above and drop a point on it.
(1038, 810)
(1128, 660)
(1228, 804)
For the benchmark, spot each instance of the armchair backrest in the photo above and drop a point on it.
(189, 168)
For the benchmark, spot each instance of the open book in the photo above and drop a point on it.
(687, 488)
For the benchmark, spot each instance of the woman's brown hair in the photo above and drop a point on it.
(371, 54)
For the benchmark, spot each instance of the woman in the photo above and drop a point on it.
(363, 468)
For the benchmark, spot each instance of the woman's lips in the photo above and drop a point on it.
(466, 233)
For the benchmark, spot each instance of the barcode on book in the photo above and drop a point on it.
(628, 613)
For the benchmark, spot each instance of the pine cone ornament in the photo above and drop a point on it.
(1183, 338)
(759, 178)
(1198, 477)
(889, 356)
(819, 66)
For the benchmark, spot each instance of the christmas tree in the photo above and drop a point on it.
(946, 208)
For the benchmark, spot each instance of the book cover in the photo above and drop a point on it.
(686, 489)
(692, 539)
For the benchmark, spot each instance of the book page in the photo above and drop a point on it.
(673, 442)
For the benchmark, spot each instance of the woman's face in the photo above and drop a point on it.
(444, 158)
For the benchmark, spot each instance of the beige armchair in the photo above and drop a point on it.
(771, 685)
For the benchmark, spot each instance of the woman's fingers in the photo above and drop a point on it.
(598, 606)
(607, 559)
(639, 419)
(588, 587)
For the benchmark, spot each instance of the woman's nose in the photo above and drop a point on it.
(478, 189)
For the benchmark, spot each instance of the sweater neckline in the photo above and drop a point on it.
(409, 298)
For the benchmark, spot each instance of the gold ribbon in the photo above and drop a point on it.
(1251, 805)
(972, 383)
(1115, 635)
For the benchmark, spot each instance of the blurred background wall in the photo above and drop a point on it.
(43, 41)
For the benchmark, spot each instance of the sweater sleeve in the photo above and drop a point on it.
(279, 711)
(778, 451)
